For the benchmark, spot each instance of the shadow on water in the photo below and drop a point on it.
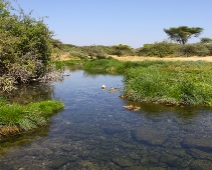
(96, 132)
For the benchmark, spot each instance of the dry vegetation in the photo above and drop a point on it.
(139, 58)
(66, 56)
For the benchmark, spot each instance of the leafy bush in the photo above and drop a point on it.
(209, 47)
(93, 51)
(198, 49)
(25, 46)
(121, 50)
(158, 49)
(206, 40)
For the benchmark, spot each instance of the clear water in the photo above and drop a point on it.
(95, 132)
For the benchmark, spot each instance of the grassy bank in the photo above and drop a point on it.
(168, 82)
(16, 118)
(178, 83)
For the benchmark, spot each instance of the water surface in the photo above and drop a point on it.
(95, 132)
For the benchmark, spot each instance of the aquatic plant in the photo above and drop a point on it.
(15, 118)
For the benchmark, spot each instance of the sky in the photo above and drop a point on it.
(113, 22)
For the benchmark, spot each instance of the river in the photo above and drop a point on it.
(95, 132)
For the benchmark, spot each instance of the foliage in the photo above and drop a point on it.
(111, 65)
(198, 49)
(159, 49)
(56, 43)
(206, 40)
(178, 83)
(25, 46)
(94, 51)
(103, 66)
(16, 118)
(121, 50)
(181, 34)
(209, 47)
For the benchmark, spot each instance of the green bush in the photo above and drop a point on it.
(121, 50)
(198, 49)
(25, 46)
(209, 47)
(158, 49)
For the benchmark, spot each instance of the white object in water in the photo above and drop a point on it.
(104, 87)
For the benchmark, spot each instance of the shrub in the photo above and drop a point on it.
(159, 49)
(121, 50)
(25, 46)
(94, 52)
(198, 49)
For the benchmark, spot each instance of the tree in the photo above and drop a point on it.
(206, 40)
(181, 34)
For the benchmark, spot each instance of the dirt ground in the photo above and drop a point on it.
(138, 58)
(64, 57)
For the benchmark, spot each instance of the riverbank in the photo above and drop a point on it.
(15, 118)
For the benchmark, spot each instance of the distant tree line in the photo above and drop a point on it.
(179, 47)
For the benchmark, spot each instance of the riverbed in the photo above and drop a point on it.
(95, 132)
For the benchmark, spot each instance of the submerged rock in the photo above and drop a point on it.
(113, 130)
(201, 164)
(204, 143)
(123, 162)
(149, 136)
(112, 90)
(60, 161)
(131, 107)
(198, 154)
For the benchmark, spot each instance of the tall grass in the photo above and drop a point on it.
(112, 65)
(171, 83)
(16, 118)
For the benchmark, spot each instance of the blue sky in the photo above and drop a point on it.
(113, 22)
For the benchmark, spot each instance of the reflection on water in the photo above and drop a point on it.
(95, 132)
(30, 93)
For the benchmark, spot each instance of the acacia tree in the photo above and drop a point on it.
(181, 34)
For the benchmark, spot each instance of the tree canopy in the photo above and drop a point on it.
(181, 34)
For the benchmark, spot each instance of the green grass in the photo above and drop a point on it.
(16, 118)
(60, 65)
(171, 83)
